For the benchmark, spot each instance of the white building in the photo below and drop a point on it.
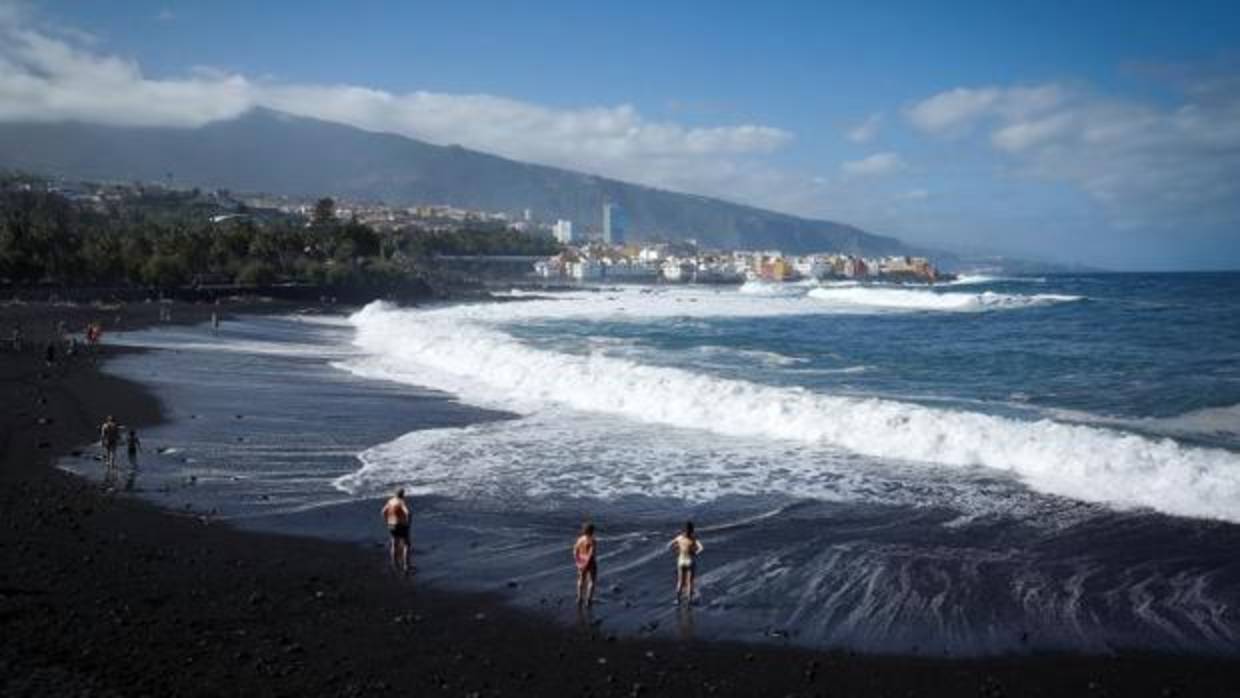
(563, 231)
(652, 254)
(585, 270)
(677, 270)
(630, 271)
(812, 266)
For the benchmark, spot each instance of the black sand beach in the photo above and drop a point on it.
(102, 594)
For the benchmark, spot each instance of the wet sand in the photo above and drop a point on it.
(103, 594)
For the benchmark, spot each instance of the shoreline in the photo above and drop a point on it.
(110, 594)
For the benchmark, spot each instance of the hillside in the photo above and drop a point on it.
(267, 151)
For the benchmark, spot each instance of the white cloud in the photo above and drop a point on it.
(165, 15)
(1148, 164)
(867, 130)
(874, 165)
(1022, 135)
(48, 79)
(961, 107)
(950, 109)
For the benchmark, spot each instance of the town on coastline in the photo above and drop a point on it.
(685, 263)
(604, 254)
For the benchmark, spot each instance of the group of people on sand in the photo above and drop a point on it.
(685, 545)
(110, 439)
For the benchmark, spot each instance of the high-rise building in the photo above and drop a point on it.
(613, 224)
(563, 231)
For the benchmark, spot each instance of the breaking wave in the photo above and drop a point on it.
(973, 279)
(457, 350)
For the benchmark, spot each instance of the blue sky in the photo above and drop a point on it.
(1099, 132)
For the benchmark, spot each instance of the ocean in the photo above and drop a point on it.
(1000, 464)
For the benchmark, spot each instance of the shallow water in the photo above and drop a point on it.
(1002, 464)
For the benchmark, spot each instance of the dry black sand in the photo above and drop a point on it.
(101, 594)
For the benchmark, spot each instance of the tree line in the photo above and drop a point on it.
(173, 239)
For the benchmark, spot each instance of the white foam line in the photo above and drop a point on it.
(453, 349)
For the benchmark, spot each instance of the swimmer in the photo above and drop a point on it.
(396, 515)
(687, 548)
(584, 554)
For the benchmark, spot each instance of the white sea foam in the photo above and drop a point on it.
(770, 288)
(919, 299)
(973, 279)
(463, 349)
(547, 458)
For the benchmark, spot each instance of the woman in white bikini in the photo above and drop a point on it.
(687, 548)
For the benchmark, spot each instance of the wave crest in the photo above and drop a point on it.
(918, 299)
(445, 350)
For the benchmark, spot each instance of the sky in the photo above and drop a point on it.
(1101, 133)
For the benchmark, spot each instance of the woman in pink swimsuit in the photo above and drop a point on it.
(584, 551)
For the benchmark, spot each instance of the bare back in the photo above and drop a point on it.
(686, 548)
(396, 512)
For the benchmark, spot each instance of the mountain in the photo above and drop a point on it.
(277, 153)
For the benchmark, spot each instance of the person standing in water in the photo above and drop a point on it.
(396, 516)
(585, 552)
(109, 438)
(687, 548)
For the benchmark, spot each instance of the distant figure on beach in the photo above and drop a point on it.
(687, 548)
(215, 321)
(585, 552)
(49, 354)
(109, 438)
(17, 336)
(396, 516)
(132, 445)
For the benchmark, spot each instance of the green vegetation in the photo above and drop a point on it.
(495, 240)
(171, 239)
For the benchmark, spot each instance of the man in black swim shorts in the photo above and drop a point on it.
(396, 516)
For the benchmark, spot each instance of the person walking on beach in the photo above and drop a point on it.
(687, 548)
(585, 552)
(396, 516)
(109, 438)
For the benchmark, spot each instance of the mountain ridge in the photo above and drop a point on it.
(263, 150)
